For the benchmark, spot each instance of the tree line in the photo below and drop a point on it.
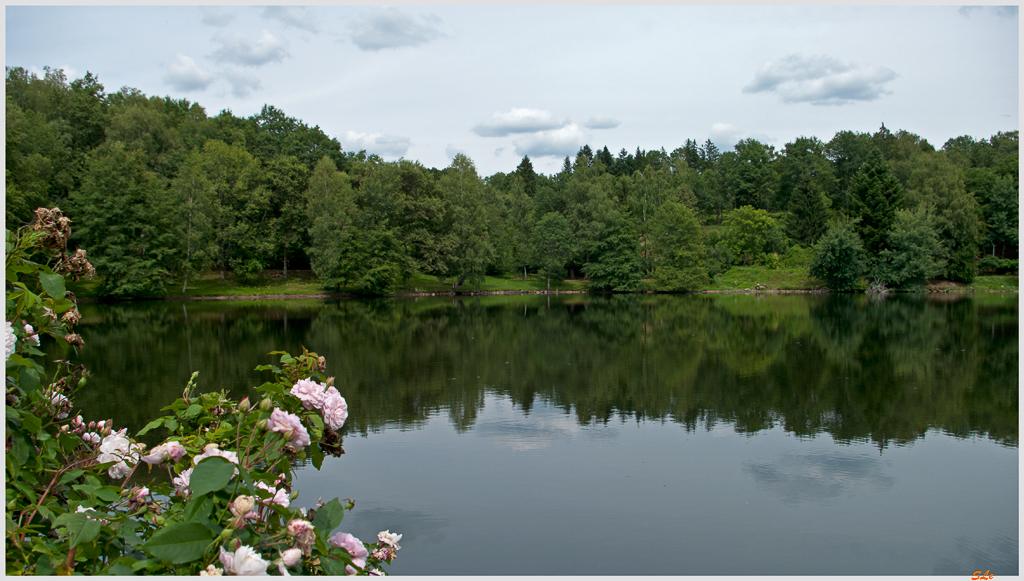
(160, 193)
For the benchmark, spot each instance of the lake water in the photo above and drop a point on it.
(630, 434)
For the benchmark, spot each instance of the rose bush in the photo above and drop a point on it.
(82, 496)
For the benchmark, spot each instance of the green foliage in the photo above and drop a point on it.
(808, 213)
(552, 246)
(752, 235)
(837, 257)
(617, 265)
(937, 183)
(677, 242)
(124, 220)
(914, 255)
(876, 195)
(749, 174)
(77, 499)
(466, 248)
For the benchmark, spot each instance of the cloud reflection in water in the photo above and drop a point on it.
(818, 476)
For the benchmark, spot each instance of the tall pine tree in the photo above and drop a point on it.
(876, 196)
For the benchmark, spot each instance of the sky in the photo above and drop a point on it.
(496, 83)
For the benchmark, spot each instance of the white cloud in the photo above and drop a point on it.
(498, 152)
(383, 28)
(382, 144)
(601, 122)
(560, 142)
(517, 121)
(296, 16)
(726, 135)
(217, 16)
(242, 82)
(1000, 11)
(186, 75)
(821, 80)
(239, 49)
(451, 151)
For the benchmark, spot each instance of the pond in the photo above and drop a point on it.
(629, 434)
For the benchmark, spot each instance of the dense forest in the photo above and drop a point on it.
(159, 193)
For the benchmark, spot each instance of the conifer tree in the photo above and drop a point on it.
(876, 196)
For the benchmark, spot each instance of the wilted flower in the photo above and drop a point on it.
(384, 553)
(74, 339)
(304, 533)
(182, 480)
(244, 561)
(62, 405)
(31, 337)
(356, 549)
(291, 426)
(389, 538)
(71, 317)
(297, 527)
(211, 571)
(172, 451)
(321, 363)
(309, 392)
(335, 409)
(10, 339)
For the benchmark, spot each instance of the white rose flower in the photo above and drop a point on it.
(244, 561)
(10, 339)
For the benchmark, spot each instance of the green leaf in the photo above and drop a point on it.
(332, 566)
(152, 425)
(71, 475)
(108, 493)
(53, 284)
(286, 359)
(318, 457)
(328, 517)
(83, 532)
(180, 542)
(121, 567)
(80, 529)
(171, 425)
(211, 474)
(193, 410)
(198, 509)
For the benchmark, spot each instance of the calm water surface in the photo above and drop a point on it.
(688, 435)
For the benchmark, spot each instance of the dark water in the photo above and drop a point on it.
(615, 435)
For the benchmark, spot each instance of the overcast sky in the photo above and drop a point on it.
(500, 82)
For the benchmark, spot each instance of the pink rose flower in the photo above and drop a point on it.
(31, 337)
(286, 423)
(335, 409)
(291, 556)
(309, 392)
(356, 549)
(172, 451)
(277, 496)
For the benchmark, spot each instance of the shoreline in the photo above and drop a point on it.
(760, 291)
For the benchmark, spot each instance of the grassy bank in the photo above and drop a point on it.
(303, 283)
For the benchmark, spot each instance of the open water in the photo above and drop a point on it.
(629, 434)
